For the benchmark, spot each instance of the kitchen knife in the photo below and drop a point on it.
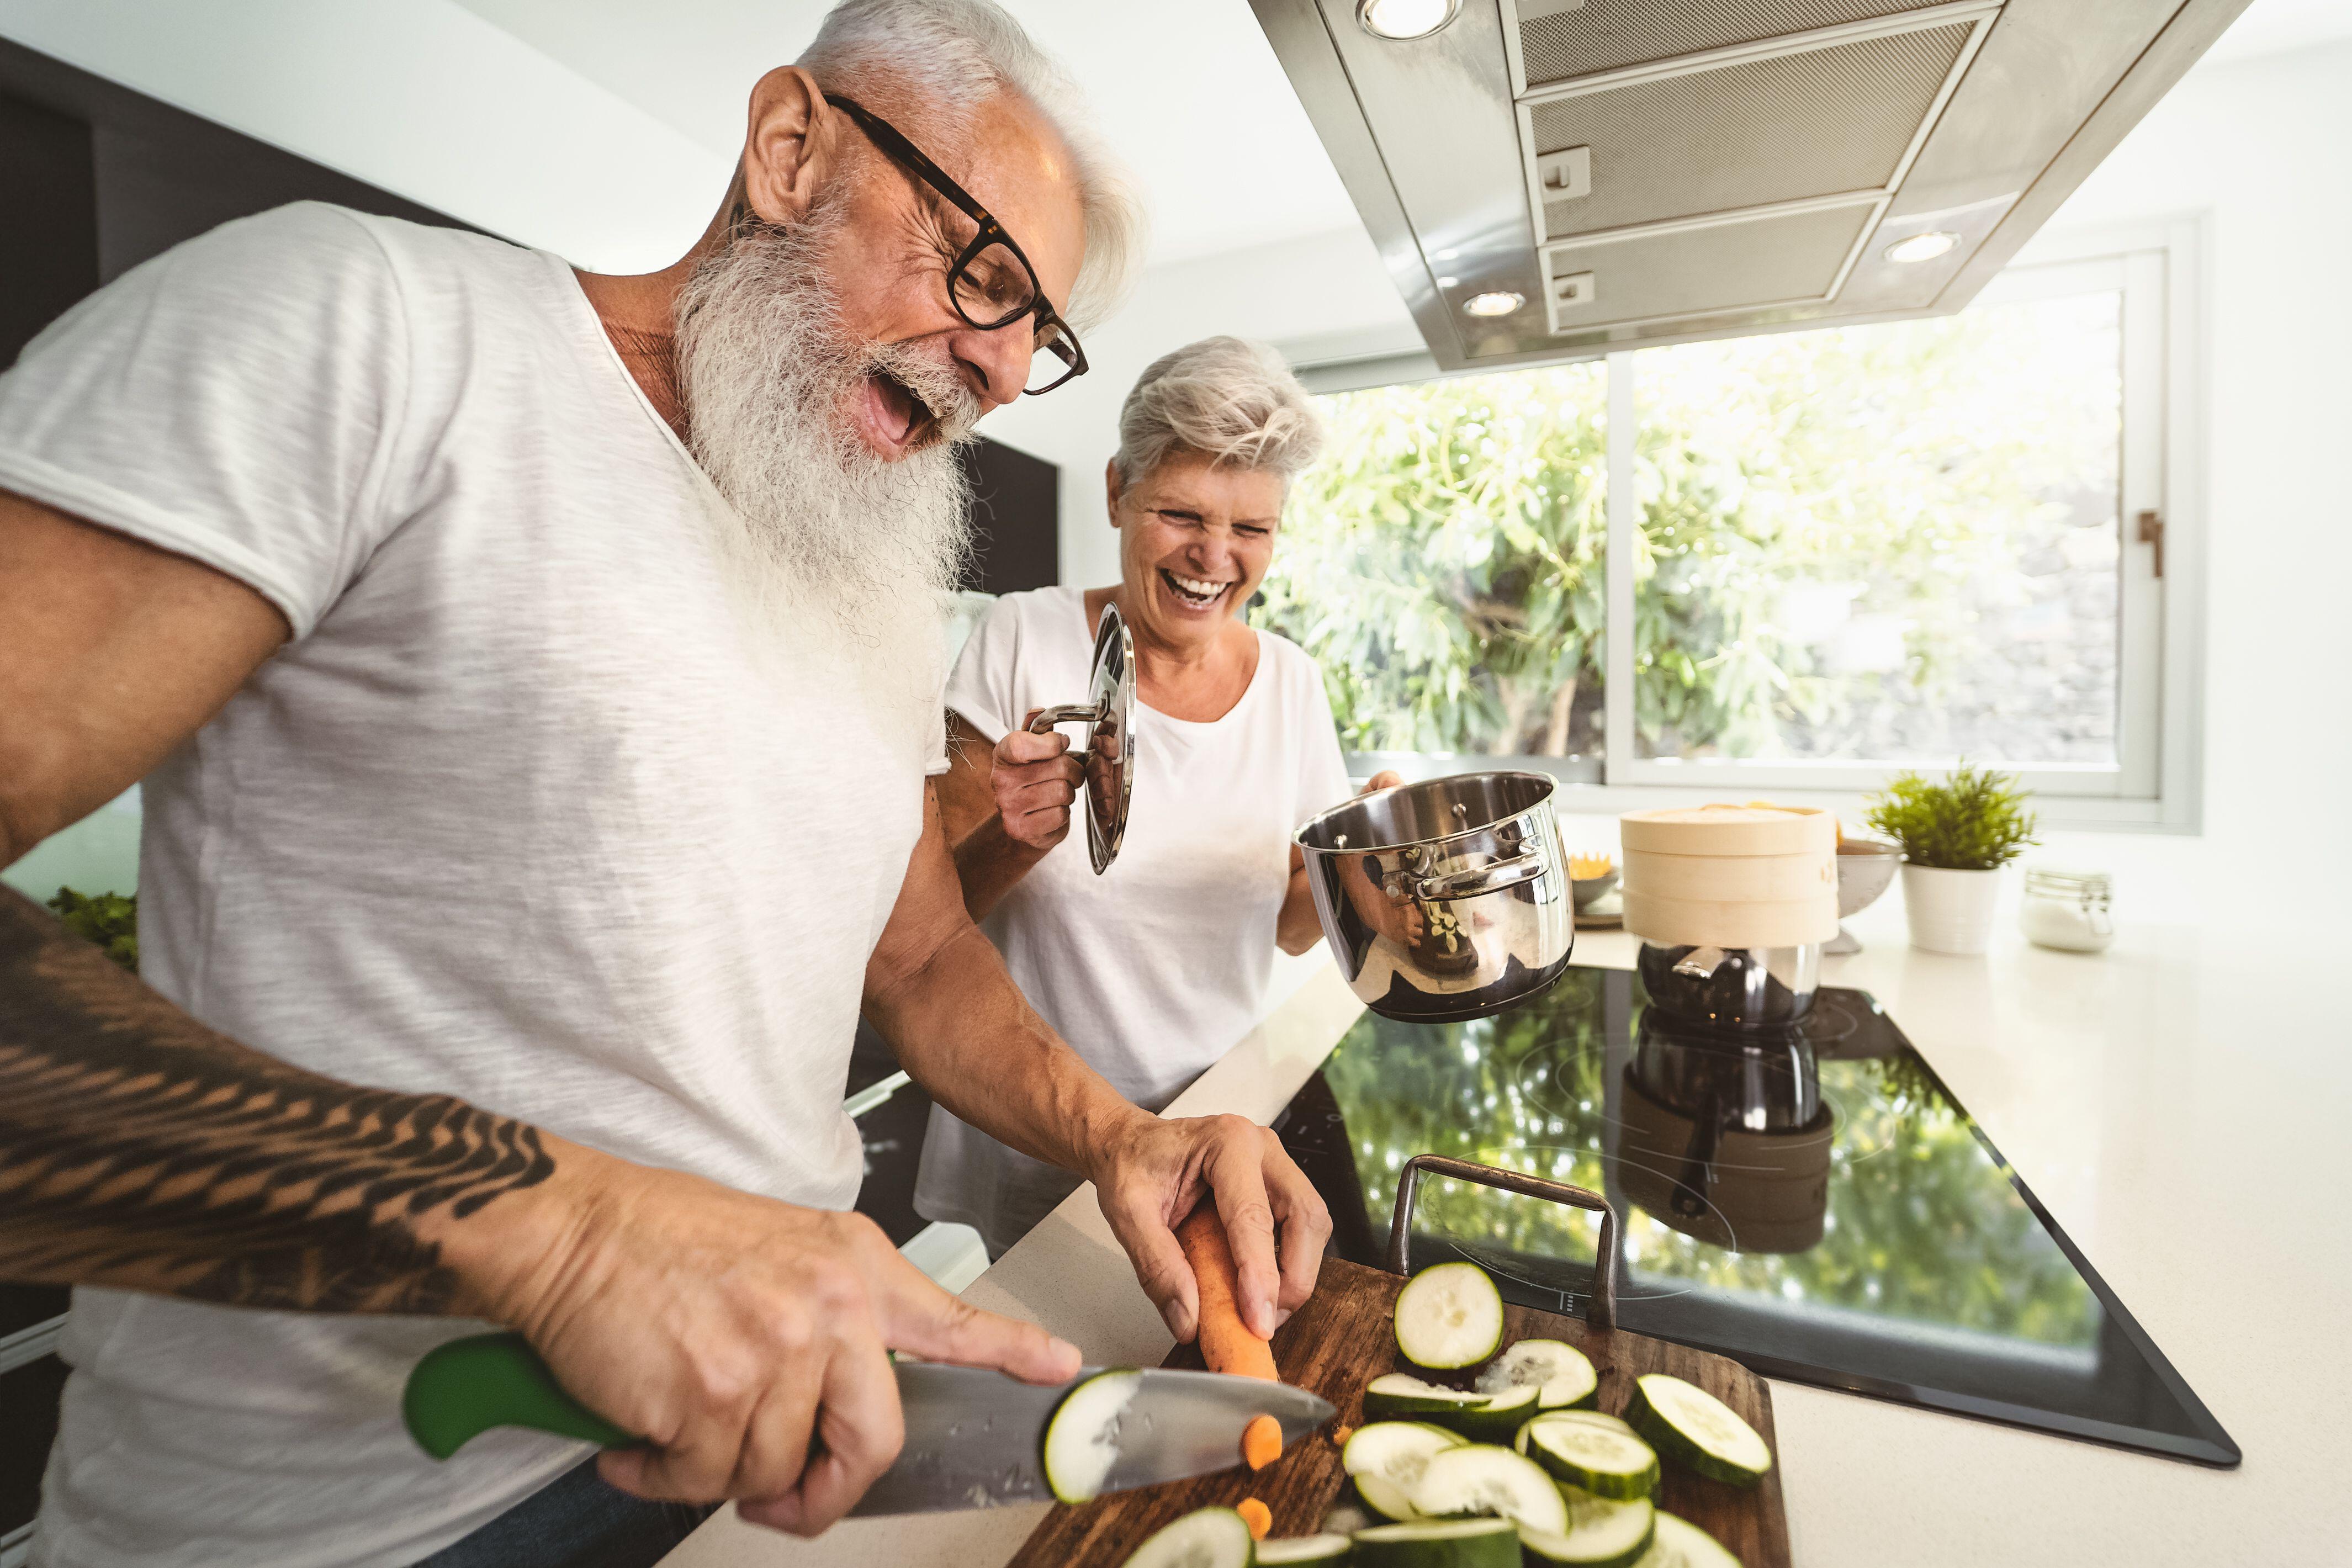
(975, 1438)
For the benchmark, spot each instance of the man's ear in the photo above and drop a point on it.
(1112, 489)
(794, 143)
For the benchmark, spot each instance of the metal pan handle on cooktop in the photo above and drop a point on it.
(1603, 1312)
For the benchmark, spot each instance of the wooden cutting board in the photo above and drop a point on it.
(1341, 1340)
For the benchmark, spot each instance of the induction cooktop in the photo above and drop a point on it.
(1815, 1205)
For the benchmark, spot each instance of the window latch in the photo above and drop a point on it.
(2151, 532)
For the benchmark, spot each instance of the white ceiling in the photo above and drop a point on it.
(2274, 27)
(1189, 94)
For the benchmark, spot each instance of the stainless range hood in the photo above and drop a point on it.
(1640, 172)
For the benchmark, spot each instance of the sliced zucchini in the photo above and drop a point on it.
(1082, 1439)
(1480, 1478)
(1204, 1538)
(1449, 1316)
(1386, 1498)
(1394, 1450)
(1557, 1369)
(1602, 1532)
(1588, 1417)
(1344, 1518)
(1439, 1543)
(1325, 1548)
(1494, 1420)
(1694, 1427)
(1599, 1460)
(1679, 1543)
(1401, 1395)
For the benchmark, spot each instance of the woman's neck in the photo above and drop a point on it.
(1199, 681)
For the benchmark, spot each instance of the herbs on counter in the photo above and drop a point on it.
(109, 920)
(1974, 820)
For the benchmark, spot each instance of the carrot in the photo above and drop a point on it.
(1261, 1442)
(1256, 1515)
(1227, 1343)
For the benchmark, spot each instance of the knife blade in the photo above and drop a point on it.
(975, 1438)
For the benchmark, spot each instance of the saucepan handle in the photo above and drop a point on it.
(1067, 714)
(465, 1387)
(1603, 1312)
(1489, 879)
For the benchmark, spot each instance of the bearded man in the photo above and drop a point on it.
(534, 678)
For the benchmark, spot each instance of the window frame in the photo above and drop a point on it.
(2155, 784)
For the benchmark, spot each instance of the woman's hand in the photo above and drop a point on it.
(1035, 780)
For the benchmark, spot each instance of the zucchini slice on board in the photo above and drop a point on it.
(1386, 1499)
(1440, 1544)
(1448, 1317)
(1082, 1439)
(1479, 1477)
(1595, 1457)
(1494, 1420)
(1586, 1417)
(1385, 1460)
(1602, 1533)
(1557, 1369)
(1679, 1543)
(1324, 1548)
(1400, 1394)
(1204, 1538)
(1688, 1425)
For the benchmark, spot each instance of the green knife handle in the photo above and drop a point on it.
(465, 1387)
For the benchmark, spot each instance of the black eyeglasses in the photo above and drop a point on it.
(991, 284)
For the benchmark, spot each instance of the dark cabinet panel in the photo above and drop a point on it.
(1016, 502)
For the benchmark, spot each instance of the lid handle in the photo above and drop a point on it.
(1601, 1312)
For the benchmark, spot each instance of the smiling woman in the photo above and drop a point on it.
(1155, 967)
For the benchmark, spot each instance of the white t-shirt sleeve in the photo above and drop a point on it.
(983, 689)
(233, 400)
(1323, 780)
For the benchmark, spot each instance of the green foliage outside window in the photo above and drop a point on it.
(1947, 485)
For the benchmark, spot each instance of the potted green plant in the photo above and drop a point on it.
(1956, 835)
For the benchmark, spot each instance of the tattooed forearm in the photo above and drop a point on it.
(138, 1147)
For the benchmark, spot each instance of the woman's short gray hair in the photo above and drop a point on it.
(936, 61)
(1228, 399)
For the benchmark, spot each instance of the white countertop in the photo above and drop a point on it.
(2180, 1104)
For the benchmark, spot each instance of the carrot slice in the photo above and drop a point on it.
(1226, 1343)
(1256, 1515)
(1261, 1442)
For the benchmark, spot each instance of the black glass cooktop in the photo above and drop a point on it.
(1817, 1206)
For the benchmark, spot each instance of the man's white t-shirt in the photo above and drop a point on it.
(1158, 966)
(522, 813)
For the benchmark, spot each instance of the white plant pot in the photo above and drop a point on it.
(1950, 911)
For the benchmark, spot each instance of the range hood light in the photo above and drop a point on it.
(1921, 247)
(1494, 302)
(1400, 19)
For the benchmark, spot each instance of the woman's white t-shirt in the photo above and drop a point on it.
(1158, 966)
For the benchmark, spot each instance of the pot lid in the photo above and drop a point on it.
(1110, 738)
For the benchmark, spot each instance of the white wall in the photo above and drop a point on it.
(1293, 292)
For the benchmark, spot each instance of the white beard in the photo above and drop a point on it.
(767, 375)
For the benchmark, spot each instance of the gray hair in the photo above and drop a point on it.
(1228, 399)
(935, 62)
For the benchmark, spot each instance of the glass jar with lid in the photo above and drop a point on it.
(2070, 910)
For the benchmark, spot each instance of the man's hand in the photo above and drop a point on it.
(1033, 780)
(1152, 1172)
(744, 1339)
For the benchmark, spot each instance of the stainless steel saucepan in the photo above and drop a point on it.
(1444, 899)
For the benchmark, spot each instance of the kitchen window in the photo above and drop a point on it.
(1823, 556)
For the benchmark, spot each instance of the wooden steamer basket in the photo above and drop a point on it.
(1731, 904)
